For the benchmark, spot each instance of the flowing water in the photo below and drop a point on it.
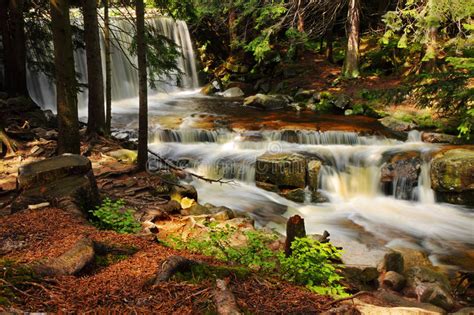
(123, 65)
(218, 138)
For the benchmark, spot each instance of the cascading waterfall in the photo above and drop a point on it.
(124, 74)
(350, 178)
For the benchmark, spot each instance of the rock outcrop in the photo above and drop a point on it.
(282, 170)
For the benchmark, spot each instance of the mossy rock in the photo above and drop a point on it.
(452, 176)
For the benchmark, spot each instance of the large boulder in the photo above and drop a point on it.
(66, 180)
(452, 176)
(429, 286)
(267, 102)
(285, 170)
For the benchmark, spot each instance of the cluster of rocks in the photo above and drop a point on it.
(288, 174)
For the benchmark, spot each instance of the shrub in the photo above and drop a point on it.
(112, 215)
(311, 263)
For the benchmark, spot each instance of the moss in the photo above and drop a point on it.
(202, 272)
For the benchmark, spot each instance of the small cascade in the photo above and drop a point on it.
(124, 74)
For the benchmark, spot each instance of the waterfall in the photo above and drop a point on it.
(124, 74)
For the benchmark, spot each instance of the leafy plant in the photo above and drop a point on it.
(112, 215)
(311, 263)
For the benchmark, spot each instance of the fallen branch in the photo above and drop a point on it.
(176, 168)
(327, 305)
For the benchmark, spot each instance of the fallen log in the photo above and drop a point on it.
(224, 299)
(71, 262)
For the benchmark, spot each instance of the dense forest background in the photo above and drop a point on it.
(426, 45)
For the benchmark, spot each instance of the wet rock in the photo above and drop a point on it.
(434, 137)
(267, 186)
(393, 280)
(246, 88)
(233, 92)
(318, 197)
(429, 286)
(413, 258)
(392, 261)
(314, 167)
(296, 195)
(397, 125)
(452, 176)
(362, 278)
(45, 134)
(224, 215)
(464, 311)
(343, 101)
(400, 174)
(197, 209)
(285, 170)
(252, 136)
(267, 102)
(289, 136)
(183, 191)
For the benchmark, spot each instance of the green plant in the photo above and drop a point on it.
(112, 215)
(311, 264)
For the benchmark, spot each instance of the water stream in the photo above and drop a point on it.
(218, 138)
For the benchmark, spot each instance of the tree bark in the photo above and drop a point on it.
(66, 85)
(329, 45)
(224, 299)
(108, 72)
(142, 90)
(294, 228)
(351, 62)
(14, 46)
(95, 80)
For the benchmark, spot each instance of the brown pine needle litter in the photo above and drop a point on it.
(121, 287)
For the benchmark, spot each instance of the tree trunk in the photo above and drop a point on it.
(14, 46)
(66, 85)
(142, 90)
(329, 46)
(232, 27)
(294, 228)
(95, 80)
(300, 24)
(351, 62)
(108, 72)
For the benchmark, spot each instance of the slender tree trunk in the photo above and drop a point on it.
(95, 80)
(300, 24)
(232, 27)
(14, 44)
(329, 45)
(142, 90)
(66, 89)
(351, 62)
(6, 43)
(108, 72)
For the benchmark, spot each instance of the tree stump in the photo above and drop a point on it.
(294, 228)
